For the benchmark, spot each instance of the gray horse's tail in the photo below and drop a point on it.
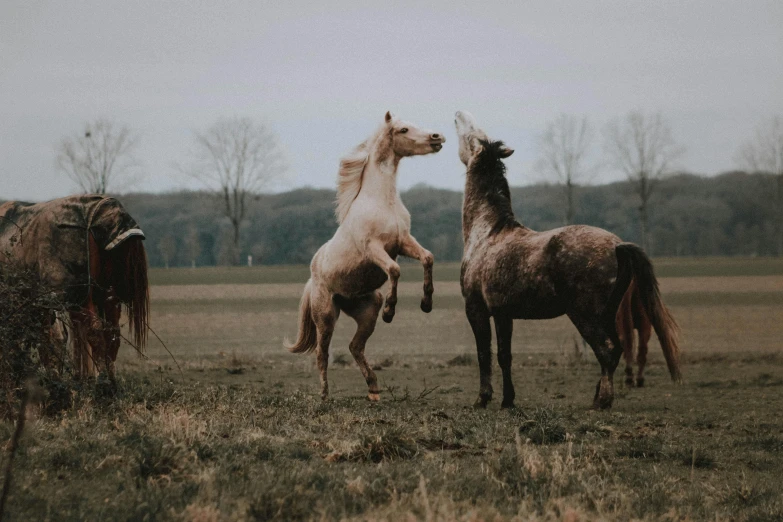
(630, 256)
(306, 338)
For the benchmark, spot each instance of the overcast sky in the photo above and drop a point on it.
(323, 75)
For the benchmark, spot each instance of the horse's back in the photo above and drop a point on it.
(540, 275)
(582, 265)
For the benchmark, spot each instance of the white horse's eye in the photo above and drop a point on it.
(403, 130)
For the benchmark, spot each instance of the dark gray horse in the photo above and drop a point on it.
(511, 272)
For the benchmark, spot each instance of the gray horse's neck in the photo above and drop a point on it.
(487, 202)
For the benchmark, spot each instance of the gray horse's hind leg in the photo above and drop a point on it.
(608, 350)
(478, 316)
(504, 327)
(364, 310)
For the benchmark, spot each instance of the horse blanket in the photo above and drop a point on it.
(53, 238)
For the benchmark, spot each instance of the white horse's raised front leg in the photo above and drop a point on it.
(380, 257)
(411, 248)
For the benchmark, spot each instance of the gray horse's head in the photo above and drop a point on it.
(471, 137)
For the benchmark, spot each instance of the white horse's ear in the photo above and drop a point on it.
(389, 116)
(505, 152)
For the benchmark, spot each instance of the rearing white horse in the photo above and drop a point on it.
(348, 270)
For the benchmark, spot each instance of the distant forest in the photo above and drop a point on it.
(730, 214)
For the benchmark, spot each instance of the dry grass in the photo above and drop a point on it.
(198, 322)
(241, 434)
(174, 447)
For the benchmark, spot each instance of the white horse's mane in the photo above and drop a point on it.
(350, 175)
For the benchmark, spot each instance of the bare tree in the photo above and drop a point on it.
(563, 155)
(167, 246)
(100, 158)
(764, 153)
(237, 158)
(642, 147)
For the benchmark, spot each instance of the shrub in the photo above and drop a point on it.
(28, 348)
(462, 360)
(544, 426)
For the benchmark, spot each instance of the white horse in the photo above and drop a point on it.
(347, 272)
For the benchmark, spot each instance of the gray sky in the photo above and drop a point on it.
(323, 76)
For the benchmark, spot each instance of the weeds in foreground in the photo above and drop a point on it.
(211, 452)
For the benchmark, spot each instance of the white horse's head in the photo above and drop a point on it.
(470, 137)
(409, 140)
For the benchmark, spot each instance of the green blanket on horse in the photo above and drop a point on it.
(53, 238)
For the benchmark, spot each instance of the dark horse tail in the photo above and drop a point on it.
(634, 264)
(128, 277)
(306, 338)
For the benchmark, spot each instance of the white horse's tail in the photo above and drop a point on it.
(306, 339)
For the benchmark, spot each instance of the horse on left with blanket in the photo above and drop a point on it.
(88, 250)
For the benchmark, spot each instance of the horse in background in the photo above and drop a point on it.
(512, 272)
(632, 316)
(374, 228)
(89, 250)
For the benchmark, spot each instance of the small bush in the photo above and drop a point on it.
(544, 426)
(158, 459)
(465, 359)
(644, 448)
(341, 360)
(765, 442)
(696, 457)
(390, 445)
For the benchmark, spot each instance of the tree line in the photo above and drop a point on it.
(729, 214)
(237, 158)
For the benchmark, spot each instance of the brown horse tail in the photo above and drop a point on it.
(130, 282)
(665, 326)
(306, 339)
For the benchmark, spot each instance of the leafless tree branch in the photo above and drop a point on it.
(237, 158)
(564, 146)
(764, 153)
(101, 158)
(642, 147)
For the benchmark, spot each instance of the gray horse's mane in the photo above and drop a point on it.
(350, 175)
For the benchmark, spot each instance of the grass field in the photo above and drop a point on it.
(665, 267)
(234, 429)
